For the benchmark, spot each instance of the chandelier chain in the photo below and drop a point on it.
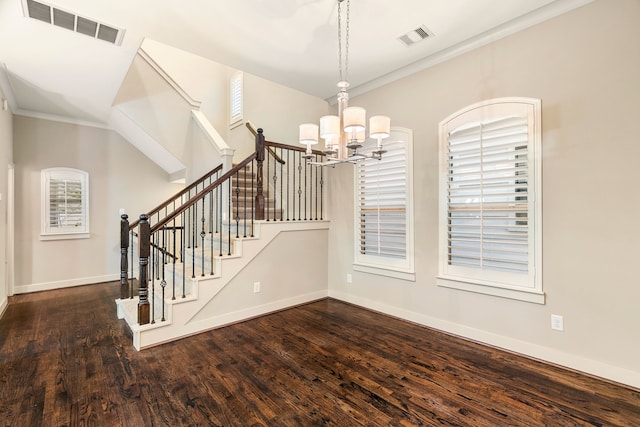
(344, 72)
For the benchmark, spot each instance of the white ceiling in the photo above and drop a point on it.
(53, 72)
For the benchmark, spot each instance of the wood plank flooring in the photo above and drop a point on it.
(66, 360)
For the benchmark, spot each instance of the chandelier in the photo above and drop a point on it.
(345, 133)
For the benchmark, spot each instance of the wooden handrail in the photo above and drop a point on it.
(270, 144)
(193, 200)
(179, 194)
(291, 147)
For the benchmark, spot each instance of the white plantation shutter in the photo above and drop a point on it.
(236, 99)
(489, 168)
(487, 203)
(65, 201)
(383, 206)
(382, 203)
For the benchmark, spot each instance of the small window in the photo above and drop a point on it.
(65, 204)
(490, 218)
(236, 100)
(384, 213)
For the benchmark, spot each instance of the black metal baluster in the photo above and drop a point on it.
(275, 185)
(237, 207)
(248, 180)
(267, 189)
(252, 195)
(288, 180)
(293, 187)
(306, 187)
(229, 227)
(154, 253)
(163, 283)
(194, 209)
(202, 236)
(220, 195)
(211, 219)
(131, 283)
(321, 192)
(175, 256)
(281, 184)
(300, 186)
(316, 187)
(183, 249)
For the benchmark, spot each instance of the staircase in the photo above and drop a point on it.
(194, 258)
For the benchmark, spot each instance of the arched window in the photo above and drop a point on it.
(490, 198)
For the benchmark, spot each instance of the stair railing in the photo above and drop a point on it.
(184, 236)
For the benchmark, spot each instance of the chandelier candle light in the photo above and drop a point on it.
(345, 133)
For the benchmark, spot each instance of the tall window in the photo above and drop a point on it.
(236, 99)
(384, 213)
(65, 203)
(490, 235)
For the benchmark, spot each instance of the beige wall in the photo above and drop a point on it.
(585, 67)
(119, 177)
(277, 109)
(6, 158)
(287, 268)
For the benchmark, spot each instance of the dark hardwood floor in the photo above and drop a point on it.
(65, 360)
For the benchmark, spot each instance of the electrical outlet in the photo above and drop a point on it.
(256, 287)
(349, 278)
(557, 322)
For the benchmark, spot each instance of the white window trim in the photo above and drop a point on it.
(52, 233)
(404, 269)
(534, 293)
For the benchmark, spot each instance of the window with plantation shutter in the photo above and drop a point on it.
(384, 214)
(236, 99)
(65, 207)
(490, 235)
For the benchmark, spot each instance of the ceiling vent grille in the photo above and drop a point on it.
(64, 19)
(415, 36)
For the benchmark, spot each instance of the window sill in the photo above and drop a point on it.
(532, 296)
(382, 271)
(64, 236)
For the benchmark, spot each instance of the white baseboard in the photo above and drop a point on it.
(3, 305)
(571, 361)
(47, 286)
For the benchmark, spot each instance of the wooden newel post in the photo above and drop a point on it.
(124, 247)
(260, 152)
(144, 243)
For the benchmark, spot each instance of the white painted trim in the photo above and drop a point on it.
(47, 286)
(383, 271)
(214, 137)
(526, 295)
(10, 249)
(535, 17)
(551, 355)
(61, 119)
(7, 88)
(3, 306)
(166, 77)
(126, 127)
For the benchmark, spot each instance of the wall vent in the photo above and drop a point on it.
(415, 36)
(65, 19)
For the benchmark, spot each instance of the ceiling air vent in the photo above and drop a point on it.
(64, 19)
(415, 36)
